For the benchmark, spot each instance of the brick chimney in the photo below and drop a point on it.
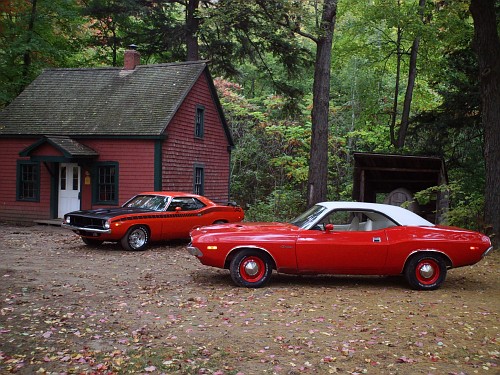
(132, 58)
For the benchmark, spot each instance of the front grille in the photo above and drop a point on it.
(86, 222)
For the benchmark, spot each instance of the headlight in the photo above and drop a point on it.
(67, 219)
(107, 225)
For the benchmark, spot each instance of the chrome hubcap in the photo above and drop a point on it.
(426, 271)
(137, 239)
(251, 268)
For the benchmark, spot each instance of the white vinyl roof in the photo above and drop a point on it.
(400, 215)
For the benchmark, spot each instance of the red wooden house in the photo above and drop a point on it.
(88, 138)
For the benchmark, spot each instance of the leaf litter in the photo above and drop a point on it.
(70, 309)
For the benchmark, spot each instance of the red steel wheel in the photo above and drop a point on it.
(426, 271)
(251, 268)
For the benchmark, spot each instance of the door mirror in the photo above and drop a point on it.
(329, 228)
(178, 209)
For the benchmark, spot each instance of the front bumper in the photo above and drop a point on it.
(487, 252)
(85, 229)
(194, 251)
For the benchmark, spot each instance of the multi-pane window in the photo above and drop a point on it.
(106, 187)
(199, 122)
(199, 177)
(28, 181)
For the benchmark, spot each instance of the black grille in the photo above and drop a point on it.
(87, 222)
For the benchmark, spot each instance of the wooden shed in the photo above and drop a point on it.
(394, 179)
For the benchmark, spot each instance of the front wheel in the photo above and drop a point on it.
(135, 239)
(426, 272)
(251, 268)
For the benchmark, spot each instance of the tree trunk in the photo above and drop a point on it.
(114, 46)
(27, 52)
(394, 114)
(412, 75)
(192, 25)
(487, 46)
(318, 162)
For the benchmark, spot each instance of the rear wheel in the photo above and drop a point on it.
(251, 268)
(426, 272)
(135, 239)
(91, 242)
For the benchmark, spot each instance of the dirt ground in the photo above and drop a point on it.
(70, 309)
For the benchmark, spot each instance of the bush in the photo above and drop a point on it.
(466, 208)
(280, 205)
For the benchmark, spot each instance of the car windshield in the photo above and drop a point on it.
(148, 202)
(309, 217)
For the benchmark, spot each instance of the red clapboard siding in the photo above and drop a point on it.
(10, 208)
(136, 163)
(136, 174)
(183, 151)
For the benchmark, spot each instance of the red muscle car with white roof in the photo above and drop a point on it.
(344, 238)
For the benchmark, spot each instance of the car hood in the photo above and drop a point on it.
(108, 213)
(265, 228)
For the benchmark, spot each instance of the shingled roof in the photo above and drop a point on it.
(67, 146)
(102, 101)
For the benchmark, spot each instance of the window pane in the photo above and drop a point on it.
(198, 180)
(63, 178)
(199, 122)
(75, 178)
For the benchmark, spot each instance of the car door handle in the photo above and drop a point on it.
(377, 239)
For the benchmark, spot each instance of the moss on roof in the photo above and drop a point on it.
(101, 101)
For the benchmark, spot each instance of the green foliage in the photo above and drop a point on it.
(467, 207)
(271, 152)
(245, 41)
(467, 212)
(32, 38)
(281, 205)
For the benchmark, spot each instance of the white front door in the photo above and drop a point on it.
(69, 188)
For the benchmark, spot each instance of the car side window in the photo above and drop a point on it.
(149, 202)
(344, 220)
(185, 204)
(352, 221)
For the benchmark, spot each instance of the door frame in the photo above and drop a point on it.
(58, 187)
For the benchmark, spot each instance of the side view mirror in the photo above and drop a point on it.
(329, 228)
(178, 209)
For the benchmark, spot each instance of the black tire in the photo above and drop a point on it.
(136, 239)
(426, 271)
(91, 242)
(251, 268)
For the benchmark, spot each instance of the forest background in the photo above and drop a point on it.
(392, 76)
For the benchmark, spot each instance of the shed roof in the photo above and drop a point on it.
(103, 101)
